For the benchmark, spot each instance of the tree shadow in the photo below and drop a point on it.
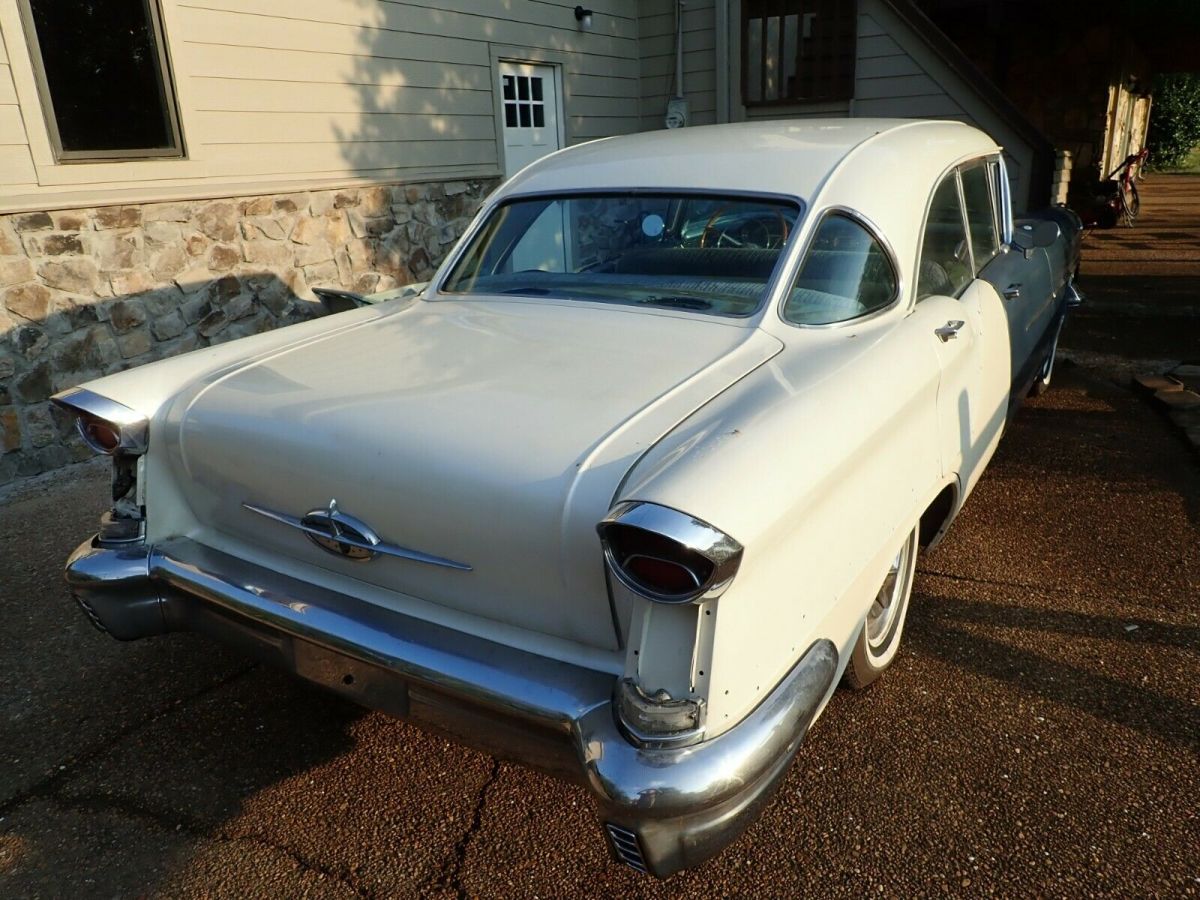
(73, 342)
(944, 632)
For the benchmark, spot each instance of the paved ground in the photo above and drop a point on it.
(1039, 733)
(1143, 283)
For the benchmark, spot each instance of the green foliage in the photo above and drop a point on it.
(1174, 119)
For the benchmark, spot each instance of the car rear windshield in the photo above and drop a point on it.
(709, 254)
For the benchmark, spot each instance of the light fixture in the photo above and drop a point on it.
(584, 18)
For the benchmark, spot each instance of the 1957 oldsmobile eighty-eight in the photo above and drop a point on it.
(632, 484)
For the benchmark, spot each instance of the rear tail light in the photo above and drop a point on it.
(662, 575)
(667, 556)
(115, 430)
(101, 436)
(106, 426)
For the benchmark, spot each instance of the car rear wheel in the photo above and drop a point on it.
(1042, 383)
(880, 636)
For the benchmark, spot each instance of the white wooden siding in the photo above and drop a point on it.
(898, 74)
(656, 28)
(309, 93)
(16, 165)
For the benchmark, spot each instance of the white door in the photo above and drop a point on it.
(531, 114)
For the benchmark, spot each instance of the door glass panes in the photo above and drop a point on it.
(846, 274)
(102, 73)
(524, 104)
(981, 215)
(945, 266)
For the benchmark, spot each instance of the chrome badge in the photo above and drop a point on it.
(334, 531)
(350, 538)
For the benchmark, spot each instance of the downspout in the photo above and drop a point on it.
(722, 61)
(678, 109)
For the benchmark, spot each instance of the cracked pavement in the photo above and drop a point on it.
(1038, 734)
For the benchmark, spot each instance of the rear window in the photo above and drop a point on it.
(710, 254)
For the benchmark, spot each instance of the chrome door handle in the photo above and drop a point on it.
(1012, 292)
(949, 331)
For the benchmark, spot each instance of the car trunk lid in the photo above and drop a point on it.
(488, 433)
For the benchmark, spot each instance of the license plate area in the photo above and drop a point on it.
(355, 680)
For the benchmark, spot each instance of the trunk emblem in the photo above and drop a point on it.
(334, 531)
(343, 535)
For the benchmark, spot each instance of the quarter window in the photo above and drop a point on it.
(981, 214)
(945, 266)
(102, 73)
(846, 274)
(797, 50)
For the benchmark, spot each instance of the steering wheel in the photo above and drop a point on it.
(742, 229)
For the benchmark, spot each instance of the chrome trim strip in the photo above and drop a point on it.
(381, 547)
(627, 847)
(716, 546)
(132, 426)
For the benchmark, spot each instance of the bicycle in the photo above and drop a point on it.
(1125, 203)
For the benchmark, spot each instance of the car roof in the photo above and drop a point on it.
(792, 157)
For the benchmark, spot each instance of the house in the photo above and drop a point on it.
(175, 173)
(1081, 74)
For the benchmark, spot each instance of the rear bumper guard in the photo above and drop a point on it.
(672, 808)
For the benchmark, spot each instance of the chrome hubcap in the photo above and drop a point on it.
(889, 601)
(1048, 365)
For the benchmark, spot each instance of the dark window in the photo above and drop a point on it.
(798, 50)
(102, 73)
(945, 266)
(846, 274)
(524, 104)
(981, 214)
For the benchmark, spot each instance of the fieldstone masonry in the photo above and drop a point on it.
(88, 292)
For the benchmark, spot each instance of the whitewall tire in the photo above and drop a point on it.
(880, 636)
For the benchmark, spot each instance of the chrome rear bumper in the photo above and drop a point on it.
(664, 810)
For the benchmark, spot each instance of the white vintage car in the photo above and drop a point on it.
(640, 475)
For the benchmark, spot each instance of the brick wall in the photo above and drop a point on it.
(87, 292)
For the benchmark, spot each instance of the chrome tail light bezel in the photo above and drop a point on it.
(131, 428)
(692, 539)
(125, 522)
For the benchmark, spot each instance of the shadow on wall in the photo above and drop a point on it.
(51, 340)
(87, 292)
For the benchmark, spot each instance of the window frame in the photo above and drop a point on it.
(999, 171)
(843, 89)
(166, 84)
(877, 235)
(985, 163)
(954, 171)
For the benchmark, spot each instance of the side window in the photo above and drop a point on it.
(945, 266)
(846, 274)
(981, 214)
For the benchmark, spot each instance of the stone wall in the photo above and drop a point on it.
(87, 292)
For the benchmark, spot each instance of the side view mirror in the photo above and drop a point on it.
(1030, 235)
